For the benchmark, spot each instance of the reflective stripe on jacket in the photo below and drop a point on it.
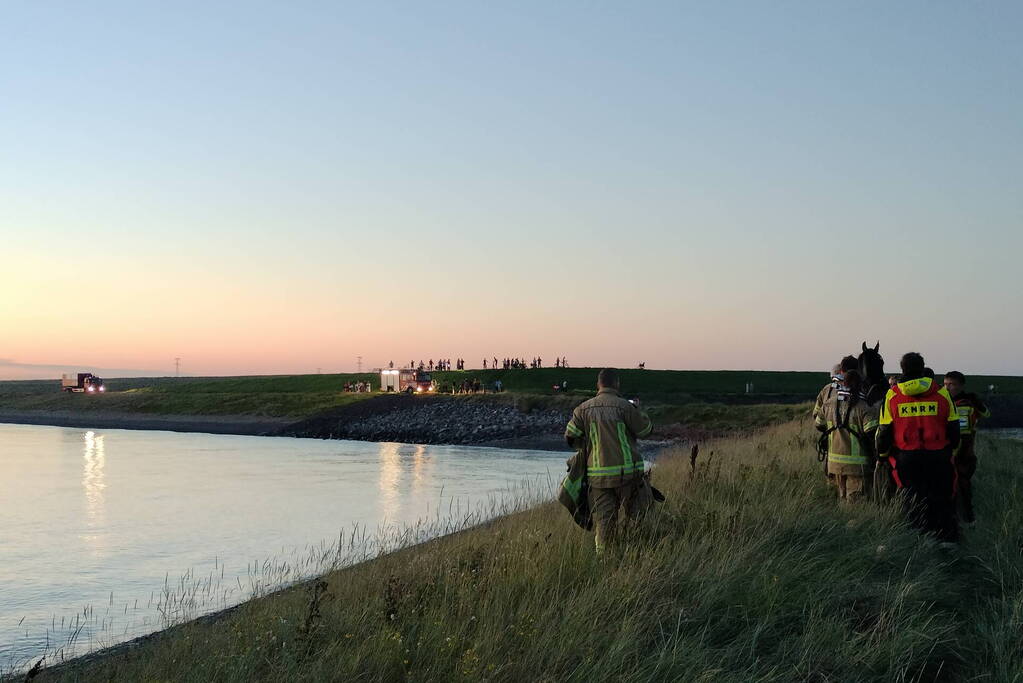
(606, 428)
(850, 429)
(574, 495)
(970, 409)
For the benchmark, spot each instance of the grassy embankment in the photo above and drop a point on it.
(749, 572)
(706, 400)
(304, 395)
(295, 396)
(711, 400)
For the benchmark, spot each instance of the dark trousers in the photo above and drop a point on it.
(634, 498)
(966, 465)
(927, 482)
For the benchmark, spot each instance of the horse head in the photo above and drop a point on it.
(872, 371)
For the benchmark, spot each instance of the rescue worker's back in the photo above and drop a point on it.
(847, 424)
(604, 430)
(607, 426)
(918, 430)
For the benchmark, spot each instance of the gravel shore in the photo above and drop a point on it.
(435, 420)
(405, 419)
(408, 419)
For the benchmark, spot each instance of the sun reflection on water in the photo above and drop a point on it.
(405, 472)
(94, 486)
(390, 478)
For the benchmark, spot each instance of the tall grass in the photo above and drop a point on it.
(749, 572)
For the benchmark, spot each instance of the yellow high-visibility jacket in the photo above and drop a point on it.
(605, 428)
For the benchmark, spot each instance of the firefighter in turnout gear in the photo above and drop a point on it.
(834, 386)
(847, 425)
(919, 431)
(604, 431)
(970, 409)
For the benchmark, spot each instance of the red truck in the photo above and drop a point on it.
(84, 383)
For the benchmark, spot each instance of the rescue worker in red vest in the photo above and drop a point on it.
(604, 430)
(970, 408)
(847, 425)
(918, 431)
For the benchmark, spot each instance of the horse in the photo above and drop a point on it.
(874, 389)
(875, 386)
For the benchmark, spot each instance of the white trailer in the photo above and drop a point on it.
(389, 380)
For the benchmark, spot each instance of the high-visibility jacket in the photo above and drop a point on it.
(918, 412)
(850, 427)
(970, 409)
(605, 428)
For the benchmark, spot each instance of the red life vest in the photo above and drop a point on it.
(919, 419)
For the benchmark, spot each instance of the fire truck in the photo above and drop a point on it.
(407, 380)
(84, 383)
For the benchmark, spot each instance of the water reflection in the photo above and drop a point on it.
(405, 471)
(94, 484)
(390, 477)
(130, 527)
(420, 469)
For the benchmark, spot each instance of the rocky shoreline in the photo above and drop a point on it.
(433, 420)
(405, 419)
(501, 421)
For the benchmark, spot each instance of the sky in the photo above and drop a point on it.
(269, 187)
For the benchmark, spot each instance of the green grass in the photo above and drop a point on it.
(720, 418)
(652, 384)
(300, 396)
(288, 396)
(717, 418)
(749, 572)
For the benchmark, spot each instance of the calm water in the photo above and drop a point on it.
(109, 534)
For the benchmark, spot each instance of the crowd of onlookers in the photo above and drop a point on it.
(488, 364)
(471, 385)
(520, 363)
(357, 387)
(440, 365)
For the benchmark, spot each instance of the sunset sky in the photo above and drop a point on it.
(280, 187)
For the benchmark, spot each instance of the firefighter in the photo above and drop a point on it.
(918, 431)
(604, 430)
(847, 425)
(834, 386)
(970, 409)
